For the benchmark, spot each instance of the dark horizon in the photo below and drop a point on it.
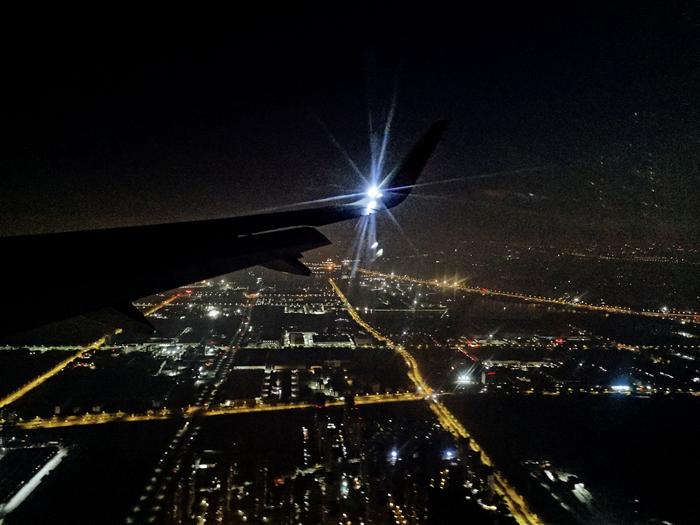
(593, 110)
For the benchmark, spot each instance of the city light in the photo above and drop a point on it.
(393, 455)
(448, 454)
(620, 388)
(465, 379)
(211, 355)
(516, 504)
(665, 311)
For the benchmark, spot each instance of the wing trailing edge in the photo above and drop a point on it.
(290, 264)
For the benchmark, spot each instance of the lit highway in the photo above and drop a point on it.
(447, 420)
(172, 457)
(236, 407)
(576, 304)
(31, 385)
(37, 381)
(164, 303)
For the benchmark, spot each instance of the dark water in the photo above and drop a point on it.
(624, 448)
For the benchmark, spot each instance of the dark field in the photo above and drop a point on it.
(624, 447)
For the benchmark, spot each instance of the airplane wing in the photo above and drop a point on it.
(49, 277)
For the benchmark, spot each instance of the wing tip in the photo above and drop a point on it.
(414, 162)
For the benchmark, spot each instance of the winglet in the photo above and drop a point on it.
(406, 175)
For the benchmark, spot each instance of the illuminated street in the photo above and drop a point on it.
(38, 381)
(198, 411)
(516, 503)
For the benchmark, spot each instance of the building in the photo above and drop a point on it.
(316, 340)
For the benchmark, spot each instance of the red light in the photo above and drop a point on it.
(490, 373)
(188, 291)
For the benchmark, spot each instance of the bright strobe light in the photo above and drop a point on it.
(374, 193)
(372, 206)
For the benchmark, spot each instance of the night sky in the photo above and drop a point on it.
(590, 114)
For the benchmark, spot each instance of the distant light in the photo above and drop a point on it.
(620, 388)
(664, 309)
(464, 379)
(393, 455)
(374, 193)
(213, 313)
(448, 454)
(380, 252)
(374, 245)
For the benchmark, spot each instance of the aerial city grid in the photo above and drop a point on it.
(385, 265)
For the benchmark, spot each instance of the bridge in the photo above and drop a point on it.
(686, 316)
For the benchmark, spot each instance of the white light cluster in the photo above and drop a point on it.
(373, 196)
